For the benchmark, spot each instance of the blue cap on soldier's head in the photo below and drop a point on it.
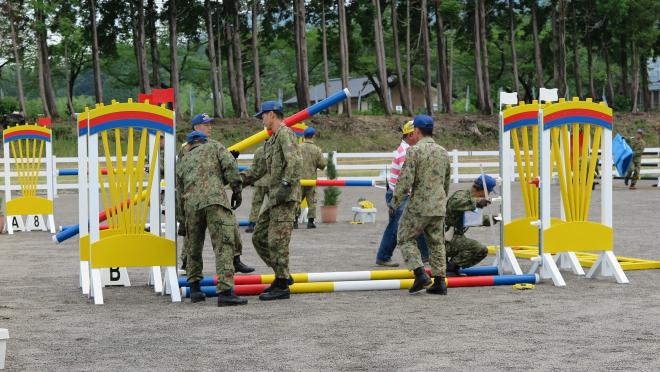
(196, 136)
(309, 132)
(423, 122)
(201, 119)
(490, 183)
(269, 106)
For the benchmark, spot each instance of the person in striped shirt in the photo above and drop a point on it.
(388, 242)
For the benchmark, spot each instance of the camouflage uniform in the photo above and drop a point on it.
(637, 147)
(180, 216)
(312, 159)
(463, 251)
(200, 177)
(425, 175)
(260, 187)
(283, 162)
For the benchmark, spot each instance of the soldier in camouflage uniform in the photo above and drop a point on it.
(283, 167)
(425, 177)
(260, 191)
(202, 123)
(464, 252)
(312, 159)
(200, 178)
(637, 144)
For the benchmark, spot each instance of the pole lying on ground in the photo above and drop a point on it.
(373, 285)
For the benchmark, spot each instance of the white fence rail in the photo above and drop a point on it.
(465, 166)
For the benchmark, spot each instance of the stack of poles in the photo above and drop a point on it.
(240, 146)
(253, 285)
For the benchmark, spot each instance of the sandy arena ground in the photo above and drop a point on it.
(589, 325)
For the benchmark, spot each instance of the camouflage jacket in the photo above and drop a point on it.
(202, 170)
(259, 158)
(637, 147)
(459, 202)
(283, 162)
(425, 175)
(312, 159)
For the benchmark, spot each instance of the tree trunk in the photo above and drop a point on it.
(152, 15)
(488, 103)
(408, 57)
(646, 94)
(302, 84)
(443, 90)
(624, 66)
(576, 53)
(537, 47)
(555, 47)
(174, 64)
(479, 91)
(210, 48)
(255, 56)
(590, 67)
(46, 85)
(324, 47)
(514, 56)
(608, 69)
(635, 77)
(561, 38)
(17, 62)
(98, 85)
(397, 60)
(424, 24)
(238, 65)
(343, 53)
(219, 63)
(380, 57)
(231, 71)
(70, 82)
(142, 49)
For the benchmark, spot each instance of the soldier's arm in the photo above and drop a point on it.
(229, 168)
(461, 201)
(179, 212)
(257, 170)
(321, 160)
(405, 181)
(447, 175)
(292, 157)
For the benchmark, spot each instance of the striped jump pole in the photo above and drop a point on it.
(339, 276)
(340, 183)
(104, 171)
(373, 285)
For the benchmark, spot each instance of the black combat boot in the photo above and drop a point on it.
(240, 267)
(310, 223)
(439, 286)
(228, 298)
(250, 228)
(421, 280)
(270, 287)
(279, 290)
(452, 268)
(295, 223)
(196, 294)
(184, 262)
(625, 180)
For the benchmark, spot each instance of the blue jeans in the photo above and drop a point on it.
(388, 242)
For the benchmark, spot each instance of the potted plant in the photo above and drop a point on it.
(330, 194)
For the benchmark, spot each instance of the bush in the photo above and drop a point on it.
(8, 105)
(331, 193)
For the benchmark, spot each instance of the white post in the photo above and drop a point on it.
(170, 221)
(49, 182)
(154, 208)
(94, 231)
(7, 173)
(54, 168)
(606, 179)
(83, 205)
(454, 165)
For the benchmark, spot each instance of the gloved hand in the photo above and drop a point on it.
(236, 198)
(283, 193)
(391, 212)
(482, 203)
(182, 229)
(235, 154)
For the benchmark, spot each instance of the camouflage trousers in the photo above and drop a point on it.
(411, 226)
(272, 235)
(222, 228)
(309, 193)
(238, 245)
(260, 193)
(465, 252)
(633, 171)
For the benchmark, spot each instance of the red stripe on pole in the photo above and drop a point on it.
(470, 281)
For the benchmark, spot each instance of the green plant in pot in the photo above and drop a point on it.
(330, 194)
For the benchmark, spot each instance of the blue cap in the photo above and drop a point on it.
(640, 131)
(201, 119)
(423, 122)
(196, 136)
(269, 106)
(490, 183)
(309, 132)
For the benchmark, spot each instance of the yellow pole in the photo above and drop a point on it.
(521, 171)
(586, 134)
(569, 168)
(592, 170)
(575, 150)
(554, 132)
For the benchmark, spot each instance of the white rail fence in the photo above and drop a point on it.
(465, 166)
